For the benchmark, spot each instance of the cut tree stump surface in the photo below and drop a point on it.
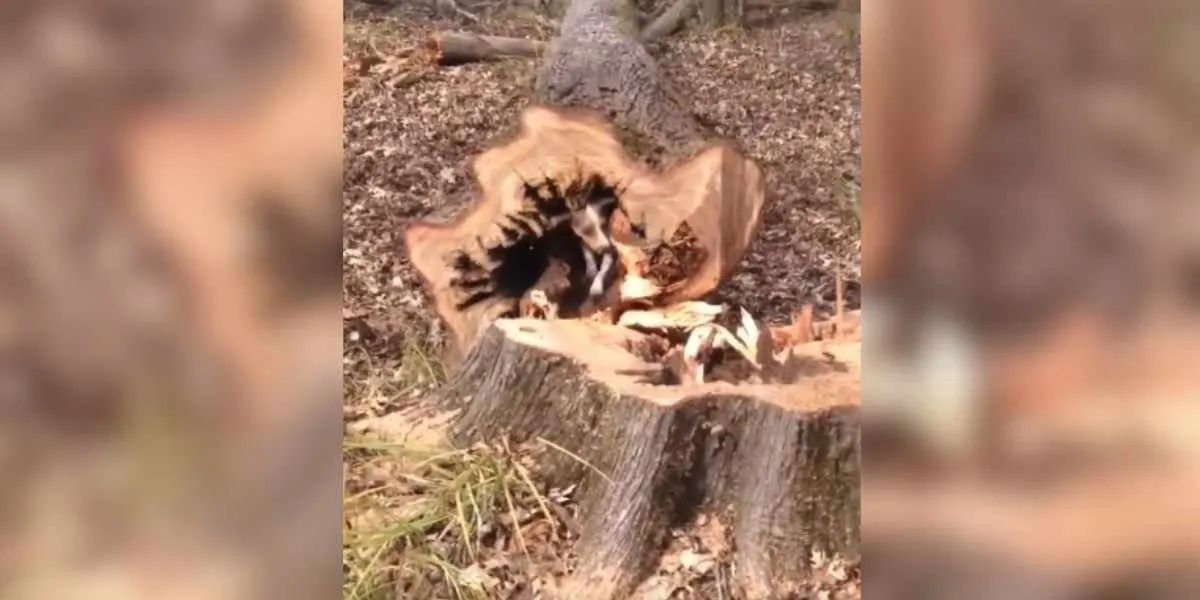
(780, 461)
(829, 372)
(717, 193)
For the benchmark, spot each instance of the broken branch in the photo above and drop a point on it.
(456, 48)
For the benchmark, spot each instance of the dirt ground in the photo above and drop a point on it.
(788, 93)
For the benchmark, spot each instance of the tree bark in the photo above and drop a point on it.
(456, 48)
(780, 460)
(597, 62)
(800, 4)
(669, 21)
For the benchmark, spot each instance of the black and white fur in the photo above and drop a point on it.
(572, 225)
(591, 225)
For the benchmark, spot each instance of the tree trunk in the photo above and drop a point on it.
(712, 12)
(777, 461)
(597, 62)
(781, 459)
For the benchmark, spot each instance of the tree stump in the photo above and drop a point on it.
(717, 194)
(772, 451)
(780, 460)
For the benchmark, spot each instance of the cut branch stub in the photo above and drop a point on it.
(456, 47)
(718, 194)
(780, 462)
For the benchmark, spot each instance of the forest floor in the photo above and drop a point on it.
(427, 521)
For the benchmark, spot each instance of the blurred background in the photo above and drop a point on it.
(169, 275)
(1030, 261)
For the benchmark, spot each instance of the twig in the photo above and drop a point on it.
(565, 517)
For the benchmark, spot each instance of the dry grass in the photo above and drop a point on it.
(436, 522)
(430, 521)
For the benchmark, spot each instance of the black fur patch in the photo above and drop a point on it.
(514, 262)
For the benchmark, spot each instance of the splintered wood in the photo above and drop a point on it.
(580, 231)
(698, 342)
(672, 236)
(694, 341)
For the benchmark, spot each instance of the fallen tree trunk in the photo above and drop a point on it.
(775, 460)
(597, 62)
(456, 48)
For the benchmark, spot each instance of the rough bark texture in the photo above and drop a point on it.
(455, 48)
(598, 63)
(781, 462)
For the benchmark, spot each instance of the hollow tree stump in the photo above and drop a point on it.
(717, 193)
(778, 463)
(781, 460)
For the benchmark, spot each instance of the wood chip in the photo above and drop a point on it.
(684, 316)
(638, 288)
(749, 334)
